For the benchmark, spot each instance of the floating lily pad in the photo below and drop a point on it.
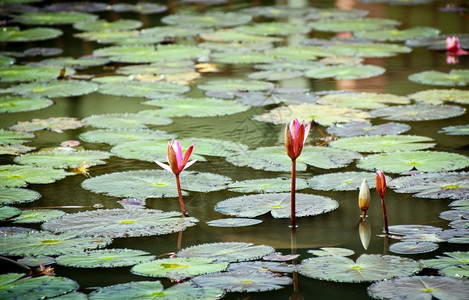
(227, 252)
(56, 124)
(125, 121)
(418, 112)
(151, 289)
(242, 58)
(78, 63)
(236, 85)
(179, 268)
(345, 72)
(277, 204)
(343, 181)
(141, 89)
(123, 50)
(15, 34)
(274, 28)
(17, 195)
(15, 149)
(299, 53)
(354, 25)
(103, 25)
(38, 215)
(424, 161)
(362, 100)
(243, 281)
(153, 183)
(233, 222)
(46, 243)
(174, 31)
(78, 6)
(396, 35)
(60, 158)
(121, 222)
(261, 266)
(413, 247)
(439, 96)
(34, 287)
(140, 7)
(457, 272)
(216, 19)
(229, 35)
(41, 51)
(366, 128)
(6, 60)
(107, 258)
(55, 18)
(25, 73)
(383, 143)
(452, 185)
(267, 185)
(59, 88)
(291, 66)
(36, 261)
(460, 204)
(278, 11)
(277, 256)
(335, 13)
(106, 37)
(214, 147)
(325, 115)
(420, 287)
(275, 158)
(195, 107)
(12, 104)
(20, 176)
(366, 49)
(458, 77)
(456, 130)
(275, 75)
(8, 137)
(332, 251)
(7, 212)
(117, 136)
(367, 268)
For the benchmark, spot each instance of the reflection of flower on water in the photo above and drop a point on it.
(453, 50)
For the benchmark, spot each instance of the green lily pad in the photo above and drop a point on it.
(38, 215)
(56, 124)
(103, 25)
(7, 212)
(105, 37)
(452, 185)
(457, 272)
(275, 158)
(362, 100)
(25, 73)
(13, 104)
(141, 89)
(413, 247)
(46, 243)
(275, 75)
(273, 28)
(121, 223)
(167, 67)
(36, 261)
(343, 181)
(106, 258)
(34, 287)
(325, 115)
(217, 19)
(367, 268)
(383, 143)
(52, 89)
(179, 268)
(214, 147)
(264, 266)
(291, 66)
(266, 185)
(366, 128)
(123, 50)
(20, 176)
(6, 60)
(278, 11)
(420, 287)
(299, 53)
(424, 161)
(227, 252)
(366, 49)
(345, 72)
(354, 25)
(15, 149)
(63, 158)
(153, 183)
(455, 130)
(233, 222)
(458, 77)
(8, 137)
(125, 121)
(78, 63)
(332, 251)
(17, 195)
(229, 35)
(143, 8)
(195, 107)
(277, 204)
(236, 85)
(55, 18)
(242, 58)
(118, 136)
(418, 112)
(396, 35)
(336, 13)
(174, 31)
(151, 289)
(439, 96)
(15, 34)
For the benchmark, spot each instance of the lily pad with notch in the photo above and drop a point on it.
(55, 124)
(230, 35)
(383, 143)
(8, 212)
(15, 34)
(104, 258)
(366, 49)
(332, 251)
(266, 185)
(125, 121)
(439, 96)
(345, 72)
(17, 195)
(413, 247)
(418, 112)
(103, 25)
(27, 73)
(366, 128)
(362, 100)
(396, 35)
(459, 77)
(14, 104)
(354, 25)
(53, 89)
(20, 176)
(37, 215)
(343, 181)
(118, 136)
(141, 89)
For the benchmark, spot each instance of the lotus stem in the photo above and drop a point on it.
(293, 191)
(181, 201)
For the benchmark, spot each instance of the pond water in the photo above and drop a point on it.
(338, 228)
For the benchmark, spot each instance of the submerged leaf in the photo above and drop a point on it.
(107, 258)
(227, 252)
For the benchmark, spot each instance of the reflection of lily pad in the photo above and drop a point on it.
(233, 222)
(450, 185)
(345, 72)
(396, 35)
(17, 195)
(102, 25)
(266, 185)
(14, 34)
(140, 89)
(354, 25)
(20, 176)
(59, 88)
(125, 120)
(366, 128)
(217, 19)
(121, 222)
(227, 252)
(25, 73)
(55, 18)
(368, 267)
(413, 247)
(12, 104)
(8, 137)
(425, 161)
(277, 204)
(362, 100)
(439, 96)
(343, 181)
(179, 267)
(453, 78)
(107, 258)
(383, 143)
(117, 136)
(236, 85)
(56, 124)
(38, 215)
(418, 112)
(456, 130)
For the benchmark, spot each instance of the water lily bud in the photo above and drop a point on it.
(380, 183)
(364, 197)
(295, 137)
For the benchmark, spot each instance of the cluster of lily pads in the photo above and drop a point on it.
(159, 66)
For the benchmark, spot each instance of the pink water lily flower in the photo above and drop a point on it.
(177, 162)
(296, 134)
(454, 47)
